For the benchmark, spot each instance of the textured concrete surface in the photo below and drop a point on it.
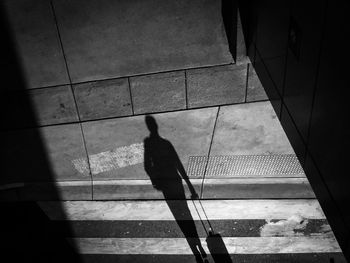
(117, 38)
(220, 188)
(163, 230)
(37, 107)
(158, 92)
(37, 41)
(254, 188)
(255, 90)
(170, 229)
(236, 258)
(137, 189)
(53, 105)
(216, 85)
(234, 245)
(102, 99)
(249, 129)
(43, 154)
(116, 146)
(81, 190)
(158, 210)
(63, 144)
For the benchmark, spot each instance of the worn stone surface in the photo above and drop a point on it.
(102, 99)
(44, 154)
(158, 92)
(53, 105)
(116, 149)
(255, 90)
(117, 38)
(216, 85)
(251, 128)
(37, 42)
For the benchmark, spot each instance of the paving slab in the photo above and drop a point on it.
(103, 99)
(116, 147)
(109, 38)
(54, 105)
(216, 85)
(37, 42)
(44, 154)
(158, 92)
(249, 129)
(34, 107)
(255, 90)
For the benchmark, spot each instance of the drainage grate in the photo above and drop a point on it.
(245, 165)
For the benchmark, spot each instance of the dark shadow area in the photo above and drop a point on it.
(305, 83)
(217, 248)
(166, 172)
(229, 16)
(27, 233)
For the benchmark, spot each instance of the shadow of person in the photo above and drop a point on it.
(166, 172)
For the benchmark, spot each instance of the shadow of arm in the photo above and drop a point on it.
(147, 159)
(181, 170)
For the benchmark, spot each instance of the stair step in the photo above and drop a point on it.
(234, 245)
(159, 209)
(157, 231)
(171, 229)
(255, 188)
(135, 189)
(236, 258)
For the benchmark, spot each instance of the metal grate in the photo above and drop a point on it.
(245, 165)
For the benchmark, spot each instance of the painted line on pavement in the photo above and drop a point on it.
(110, 160)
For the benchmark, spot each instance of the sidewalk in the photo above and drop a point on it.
(250, 133)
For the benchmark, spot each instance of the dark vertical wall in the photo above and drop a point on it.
(299, 51)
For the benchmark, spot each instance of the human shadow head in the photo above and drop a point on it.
(151, 124)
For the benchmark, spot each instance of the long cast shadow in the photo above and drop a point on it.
(166, 172)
